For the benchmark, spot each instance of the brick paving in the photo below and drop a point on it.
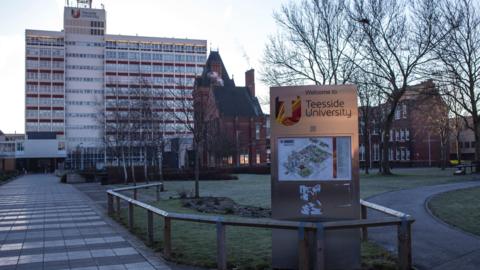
(48, 225)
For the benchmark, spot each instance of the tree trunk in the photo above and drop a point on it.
(385, 164)
(366, 143)
(197, 171)
(132, 168)
(145, 165)
(124, 165)
(476, 127)
(160, 166)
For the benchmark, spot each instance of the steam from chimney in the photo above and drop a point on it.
(215, 78)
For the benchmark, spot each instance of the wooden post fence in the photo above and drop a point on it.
(402, 221)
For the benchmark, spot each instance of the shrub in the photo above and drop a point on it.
(63, 179)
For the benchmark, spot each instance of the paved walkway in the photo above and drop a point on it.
(435, 245)
(48, 225)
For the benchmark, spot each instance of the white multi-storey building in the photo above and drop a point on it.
(76, 75)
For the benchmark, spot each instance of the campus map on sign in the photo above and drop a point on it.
(312, 159)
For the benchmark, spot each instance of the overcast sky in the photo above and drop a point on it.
(238, 28)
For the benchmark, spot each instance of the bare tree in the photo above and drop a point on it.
(117, 128)
(396, 38)
(194, 111)
(312, 45)
(369, 98)
(458, 65)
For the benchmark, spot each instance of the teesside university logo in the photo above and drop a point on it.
(296, 112)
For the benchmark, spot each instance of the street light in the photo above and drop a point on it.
(80, 146)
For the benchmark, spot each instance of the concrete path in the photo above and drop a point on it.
(48, 225)
(436, 245)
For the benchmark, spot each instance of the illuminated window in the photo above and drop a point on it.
(258, 159)
(244, 159)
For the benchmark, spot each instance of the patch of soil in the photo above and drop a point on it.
(225, 206)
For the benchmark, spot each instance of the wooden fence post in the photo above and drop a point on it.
(150, 227)
(364, 229)
(110, 204)
(221, 247)
(118, 205)
(130, 215)
(157, 193)
(320, 251)
(167, 238)
(404, 245)
(303, 253)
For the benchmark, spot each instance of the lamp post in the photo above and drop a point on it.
(80, 146)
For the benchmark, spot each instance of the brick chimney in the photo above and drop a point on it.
(250, 81)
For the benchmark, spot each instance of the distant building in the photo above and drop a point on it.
(462, 140)
(415, 138)
(75, 75)
(35, 152)
(235, 133)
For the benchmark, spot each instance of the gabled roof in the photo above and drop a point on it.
(236, 101)
(205, 80)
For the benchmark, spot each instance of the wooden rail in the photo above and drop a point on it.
(396, 218)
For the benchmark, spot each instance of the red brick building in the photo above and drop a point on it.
(235, 126)
(418, 136)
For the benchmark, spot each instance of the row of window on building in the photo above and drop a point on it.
(31, 114)
(146, 68)
(159, 57)
(33, 75)
(83, 79)
(156, 104)
(158, 116)
(399, 135)
(54, 126)
(85, 43)
(84, 31)
(44, 41)
(161, 47)
(34, 88)
(395, 154)
(243, 159)
(180, 128)
(153, 92)
(142, 80)
(86, 55)
(31, 64)
(41, 101)
(466, 144)
(46, 52)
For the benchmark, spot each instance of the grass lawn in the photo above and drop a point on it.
(460, 208)
(249, 248)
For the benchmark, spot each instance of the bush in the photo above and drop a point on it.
(63, 179)
(4, 176)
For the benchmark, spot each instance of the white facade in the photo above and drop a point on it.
(70, 75)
